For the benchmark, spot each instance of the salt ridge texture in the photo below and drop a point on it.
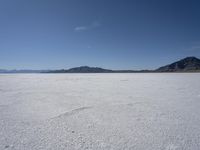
(100, 111)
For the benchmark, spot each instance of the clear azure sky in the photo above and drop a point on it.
(113, 34)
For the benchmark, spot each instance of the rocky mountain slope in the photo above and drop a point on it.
(188, 64)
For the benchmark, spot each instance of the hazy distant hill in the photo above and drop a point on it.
(22, 71)
(86, 69)
(83, 69)
(188, 64)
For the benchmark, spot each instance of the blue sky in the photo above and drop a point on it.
(114, 34)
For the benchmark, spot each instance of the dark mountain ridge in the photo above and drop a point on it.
(83, 69)
(87, 69)
(188, 64)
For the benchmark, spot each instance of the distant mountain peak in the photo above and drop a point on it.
(191, 58)
(187, 64)
(87, 69)
(83, 69)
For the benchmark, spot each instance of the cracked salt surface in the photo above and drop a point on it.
(100, 111)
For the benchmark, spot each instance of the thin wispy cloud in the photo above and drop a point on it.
(194, 48)
(80, 28)
(93, 25)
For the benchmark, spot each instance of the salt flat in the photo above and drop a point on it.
(100, 111)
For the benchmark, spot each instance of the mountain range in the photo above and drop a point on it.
(188, 64)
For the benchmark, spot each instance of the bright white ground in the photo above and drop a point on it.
(100, 111)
